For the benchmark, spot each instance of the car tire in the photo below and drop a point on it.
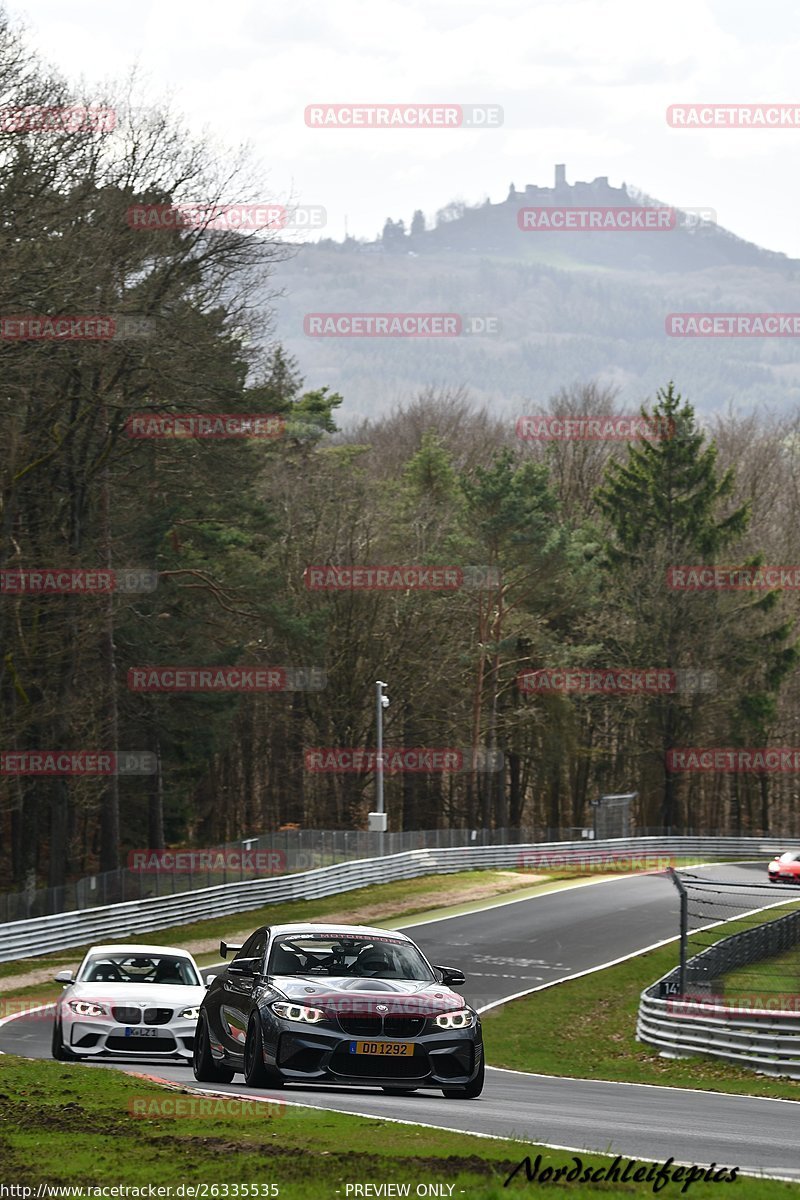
(61, 1052)
(203, 1065)
(398, 1091)
(256, 1073)
(469, 1091)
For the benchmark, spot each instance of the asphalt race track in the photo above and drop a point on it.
(517, 946)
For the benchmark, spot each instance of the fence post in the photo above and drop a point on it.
(684, 895)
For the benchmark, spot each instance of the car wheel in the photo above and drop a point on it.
(256, 1073)
(59, 1050)
(469, 1091)
(203, 1065)
(398, 1091)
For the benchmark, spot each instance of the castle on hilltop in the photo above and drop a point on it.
(563, 193)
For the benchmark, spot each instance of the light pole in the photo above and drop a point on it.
(377, 819)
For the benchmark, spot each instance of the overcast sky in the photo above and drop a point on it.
(583, 82)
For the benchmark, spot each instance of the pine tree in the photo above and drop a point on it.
(667, 506)
(669, 490)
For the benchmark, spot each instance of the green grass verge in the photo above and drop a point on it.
(586, 1028)
(773, 975)
(66, 1125)
(779, 975)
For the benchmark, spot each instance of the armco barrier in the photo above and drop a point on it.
(24, 939)
(768, 1042)
(761, 942)
(288, 851)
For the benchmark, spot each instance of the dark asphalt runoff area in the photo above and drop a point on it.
(514, 947)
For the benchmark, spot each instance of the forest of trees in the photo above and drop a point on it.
(580, 535)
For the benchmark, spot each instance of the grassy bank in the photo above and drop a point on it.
(69, 1125)
(774, 976)
(586, 1028)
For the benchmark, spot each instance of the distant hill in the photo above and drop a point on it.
(571, 305)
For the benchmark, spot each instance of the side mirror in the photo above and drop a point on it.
(244, 966)
(64, 977)
(209, 979)
(451, 975)
(224, 947)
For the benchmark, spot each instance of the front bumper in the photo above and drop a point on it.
(89, 1036)
(322, 1054)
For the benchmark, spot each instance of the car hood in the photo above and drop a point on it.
(350, 995)
(161, 995)
(781, 864)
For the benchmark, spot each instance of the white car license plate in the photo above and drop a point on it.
(137, 1033)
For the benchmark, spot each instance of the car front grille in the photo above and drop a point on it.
(127, 1016)
(369, 1066)
(156, 1045)
(362, 1026)
(135, 1016)
(404, 1027)
(157, 1016)
(373, 1027)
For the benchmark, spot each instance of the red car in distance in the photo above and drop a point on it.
(785, 868)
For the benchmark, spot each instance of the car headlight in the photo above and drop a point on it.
(298, 1012)
(461, 1019)
(83, 1008)
(191, 1014)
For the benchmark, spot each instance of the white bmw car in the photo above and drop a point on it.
(129, 1001)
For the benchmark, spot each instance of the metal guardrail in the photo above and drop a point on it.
(287, 851)
(763, 941)
(40, 935)
(680, 1026)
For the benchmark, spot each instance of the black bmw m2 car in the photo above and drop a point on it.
(338, 1004)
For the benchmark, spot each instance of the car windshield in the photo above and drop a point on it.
(152, 969)
(363, 956)
(790, 856)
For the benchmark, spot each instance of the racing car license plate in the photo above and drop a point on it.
(137, 1033)
(392, 1049)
